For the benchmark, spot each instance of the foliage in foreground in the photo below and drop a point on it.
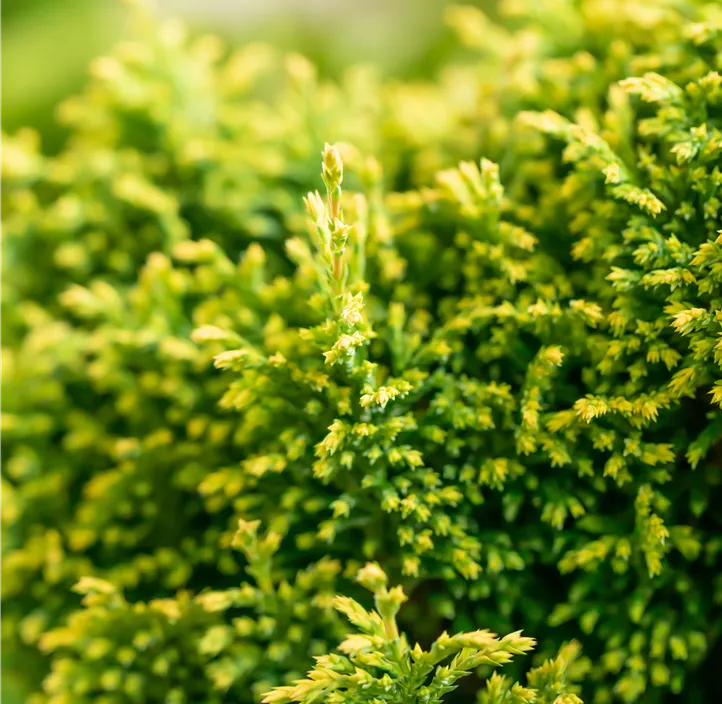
(415, 675)
(491, 362)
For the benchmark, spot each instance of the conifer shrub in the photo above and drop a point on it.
(476, 340)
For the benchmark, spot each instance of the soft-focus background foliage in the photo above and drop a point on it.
(47, 44)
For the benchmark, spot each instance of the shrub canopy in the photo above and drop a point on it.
(477, 341)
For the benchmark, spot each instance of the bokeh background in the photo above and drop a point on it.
(47, 46)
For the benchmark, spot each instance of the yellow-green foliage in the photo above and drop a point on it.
(412, 674)
(478, 341)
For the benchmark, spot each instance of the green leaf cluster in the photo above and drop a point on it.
(478, 343)
(378, 664)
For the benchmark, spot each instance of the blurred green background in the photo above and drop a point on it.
(47, 44)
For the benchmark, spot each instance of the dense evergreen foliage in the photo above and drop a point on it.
(475, 338)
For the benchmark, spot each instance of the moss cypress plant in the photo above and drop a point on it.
(485, 354)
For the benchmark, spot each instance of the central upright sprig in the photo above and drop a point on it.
(345, 329)
(332, 174)
(329, 230)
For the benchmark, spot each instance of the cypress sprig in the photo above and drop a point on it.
(379, 665)
(487, 358)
